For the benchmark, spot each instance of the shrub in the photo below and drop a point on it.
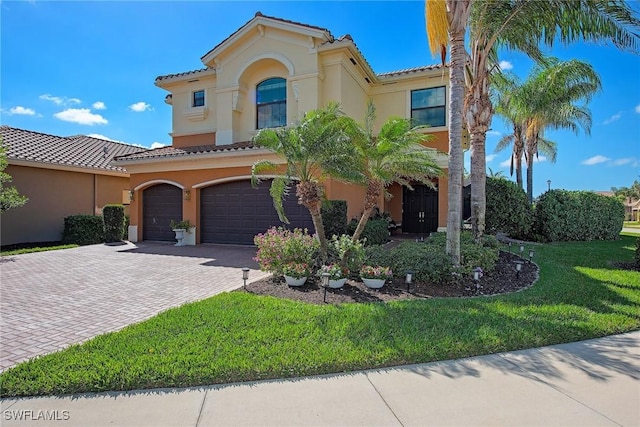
(376, 272)
(334, 217)
(638, 251)
(296, 270)
(83, 230)
(335, 271)
(344, 251)
(278, 247)
(562, 215)
(376, 231)
(508, 209)
(427, 262)
(114, 222)
(378, 255)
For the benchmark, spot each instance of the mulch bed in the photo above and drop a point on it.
(500, 281)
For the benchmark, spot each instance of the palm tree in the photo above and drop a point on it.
(396, 155)
(551, 94)
(523, 25)
(316, 147)
(446, 26)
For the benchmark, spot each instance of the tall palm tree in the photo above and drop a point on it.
(522, 25)
(395, 155)
(446, 26)
(318, 146)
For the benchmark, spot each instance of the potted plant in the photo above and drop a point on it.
(180, 228)
(337, 275)
(295, 273)
(375, 276)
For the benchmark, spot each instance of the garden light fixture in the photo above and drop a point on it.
(518, 268)
(245, 276)
(531, 253)
(408, 278)
(521, 249)
(325, 284)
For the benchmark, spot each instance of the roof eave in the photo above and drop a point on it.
(193, 156)
(162, 81)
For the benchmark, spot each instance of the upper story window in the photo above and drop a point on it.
(198, 99)
(271, 103)
(428, 106)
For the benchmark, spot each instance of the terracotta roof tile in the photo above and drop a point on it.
(165, 152)
(186, 73)
(410, 70)
(77, 151)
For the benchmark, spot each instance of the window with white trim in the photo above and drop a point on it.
(428, 106)
(271, 103)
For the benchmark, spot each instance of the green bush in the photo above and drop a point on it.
(638, 251)
(508, 209)
(114, 222)
(348, 254)
(83, 230)
(376, 231)
(334, 217)
(428, 260)
(562, 215)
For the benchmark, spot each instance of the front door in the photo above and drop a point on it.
(419, 210)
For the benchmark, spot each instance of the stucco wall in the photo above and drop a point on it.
(53, 195)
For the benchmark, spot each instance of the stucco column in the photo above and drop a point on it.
(224, 116)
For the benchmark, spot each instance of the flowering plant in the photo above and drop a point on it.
(296, 270)
(375, 272)
(279, 246)
(335, 271)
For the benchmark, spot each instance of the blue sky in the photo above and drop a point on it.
(88, 68)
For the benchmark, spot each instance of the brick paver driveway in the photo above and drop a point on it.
(49, 300)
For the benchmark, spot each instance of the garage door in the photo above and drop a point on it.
(160, 204)
(234, 212)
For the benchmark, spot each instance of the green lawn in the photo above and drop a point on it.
(29, 250)
(237, 336)
(632, 224)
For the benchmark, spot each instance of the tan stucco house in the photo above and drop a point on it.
(61, 176)
(268, 74)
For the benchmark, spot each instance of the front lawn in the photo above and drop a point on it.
(238, 336)
(632, 224)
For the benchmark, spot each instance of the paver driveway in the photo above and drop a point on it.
(49, 300)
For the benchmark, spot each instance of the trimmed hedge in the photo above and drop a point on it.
(562, 215)
(376, 231)
(334, 217)
(83, 230)
(638, 251)
(114, 222)
(508, 209)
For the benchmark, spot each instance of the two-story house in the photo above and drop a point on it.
(267, 74)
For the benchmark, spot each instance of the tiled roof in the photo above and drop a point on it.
(410, 70)
(186, 73)
(259, 14)
(165, 152)
(76, 151)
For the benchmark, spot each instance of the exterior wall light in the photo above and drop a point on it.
(187, 194)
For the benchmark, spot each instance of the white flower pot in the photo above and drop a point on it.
(292, 281)
(335, 284)
(374, 283)
(180, 236)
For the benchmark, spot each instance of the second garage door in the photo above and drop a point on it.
(234, 212)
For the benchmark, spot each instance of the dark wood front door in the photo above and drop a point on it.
(419, 210)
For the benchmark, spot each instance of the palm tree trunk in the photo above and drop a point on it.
(530, 175)
(309, 195)
(457, 16)
(362, 223)
(374, 189)
(518, 148)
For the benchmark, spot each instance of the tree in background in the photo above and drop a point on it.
(627, 195)
(10, 198)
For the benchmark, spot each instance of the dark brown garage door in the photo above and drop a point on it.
(161, 203)
(234, 212)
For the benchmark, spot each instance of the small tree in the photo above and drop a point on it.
(9, 197)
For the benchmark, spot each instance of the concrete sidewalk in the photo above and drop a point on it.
(589, 383)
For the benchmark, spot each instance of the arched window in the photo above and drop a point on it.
(271, 103)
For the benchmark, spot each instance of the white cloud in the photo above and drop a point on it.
(506, 163)
(638, 108)
(539, 159)
(60, 100)
(82, 116)
(22, 111)
(595, 160)
(99, 105)
(505, 65)
(613, 118)
(490, 157)
(494, 132)
(158, 145)
(624, 161)
(139, 107)
(100, 136)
